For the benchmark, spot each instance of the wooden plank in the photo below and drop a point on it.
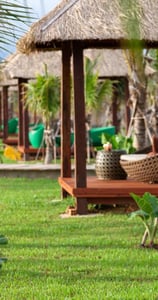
(31, 150)
(11, 141)
(108, 189)
(67, 184)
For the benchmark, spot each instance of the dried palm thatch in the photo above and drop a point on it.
(110, 63)
(91, 20)
(28, 66)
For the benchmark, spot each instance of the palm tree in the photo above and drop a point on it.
(134, 56)
(138, 94)
(43, 97)
(95, 93)
(13, 17)
(95, 90)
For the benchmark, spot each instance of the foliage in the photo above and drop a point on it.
(8, 153)
(12, 18)
(12, 153)
(148, 213)
(95, 90)
(43, 96)
(3, 241)
(55, 257)
(133, 51)
(118, 141)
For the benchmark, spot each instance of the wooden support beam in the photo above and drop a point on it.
(115, 107)
(66, 113)
(20, 103)
(127, 114)
(23, 140)
(5, 111)
(25, 128)
(79, 124)
(1, 108)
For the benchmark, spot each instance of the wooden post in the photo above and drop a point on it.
(20, 102)
(1, 123)
(127, 115)
(66, 113)
(23, 119)
(115, 107)
(25, 127)
(5, 112)
(79, 122)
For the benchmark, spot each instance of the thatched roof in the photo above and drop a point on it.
(95, 23)
(28, 66)
(110, 64)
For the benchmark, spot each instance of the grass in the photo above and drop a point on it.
(79, 258)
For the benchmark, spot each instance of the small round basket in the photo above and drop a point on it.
(143, 169)
(108, 165)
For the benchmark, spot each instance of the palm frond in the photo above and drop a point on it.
(13, 17)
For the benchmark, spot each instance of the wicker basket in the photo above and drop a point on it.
(145, 170)
(108, 165)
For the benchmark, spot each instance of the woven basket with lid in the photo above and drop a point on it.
(108, 165)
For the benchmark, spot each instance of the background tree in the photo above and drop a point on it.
(95, 89)
(135, 59)
(43, 97)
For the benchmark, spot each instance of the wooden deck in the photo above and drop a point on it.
(106, 191)
(11, 140)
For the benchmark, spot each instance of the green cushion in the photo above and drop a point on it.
(12, 125)
(58, 140)
(96, 133)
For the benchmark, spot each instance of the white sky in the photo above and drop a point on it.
(40, 7)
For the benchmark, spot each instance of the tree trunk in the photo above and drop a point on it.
(139, 126)
(137, 101)
(49, 146)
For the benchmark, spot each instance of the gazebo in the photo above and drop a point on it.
(15, 75)
(19, 69)
(73, 26)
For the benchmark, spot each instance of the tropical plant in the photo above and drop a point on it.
(43, 97)
(3, 241)
(13, 17)
(148, 213)
(136, 63)
(95, 90)
(118, 141)
(12, 153)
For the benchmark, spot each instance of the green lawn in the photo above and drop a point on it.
(80, 258)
